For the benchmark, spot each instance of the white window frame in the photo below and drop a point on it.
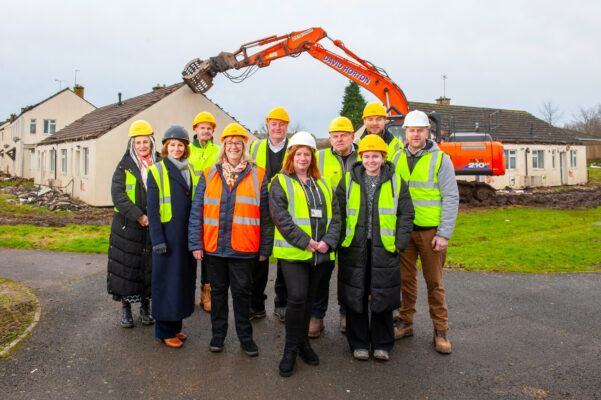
(538, 159)
(511, 155)
(52, 160)
(49, 126)
(86, 161)
(64, 159)
(573, 159)
(33, 126)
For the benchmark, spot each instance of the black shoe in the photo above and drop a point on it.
(250, 348)
(280, 313)
(127, 321)
(145, 313)
(307, 354)
(287, 364)
(256, 314)
(216, 345)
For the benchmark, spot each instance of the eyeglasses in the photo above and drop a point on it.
(231, 144)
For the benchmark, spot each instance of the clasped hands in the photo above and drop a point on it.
(321, 246)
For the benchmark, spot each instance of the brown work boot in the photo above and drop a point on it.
(402, 329)
(205, 297)
(315, 327)
(442, 344)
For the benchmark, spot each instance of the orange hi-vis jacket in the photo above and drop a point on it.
(246, 221)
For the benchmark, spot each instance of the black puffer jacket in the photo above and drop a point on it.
(385, 266)
(130, 260)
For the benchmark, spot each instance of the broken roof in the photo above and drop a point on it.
(511, 126)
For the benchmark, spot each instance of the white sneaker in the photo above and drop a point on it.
(361, 354)
(381, 355)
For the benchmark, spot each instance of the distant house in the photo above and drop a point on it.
(86, 152)
(536, 153)
(20, 134)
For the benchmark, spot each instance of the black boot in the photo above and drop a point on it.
(287, 363)
(307, 354)
(145, 313)
(127, 321)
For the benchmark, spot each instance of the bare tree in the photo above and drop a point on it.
(550, 112)
(297, 127)
(587, 120)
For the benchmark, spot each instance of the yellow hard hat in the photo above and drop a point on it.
(341, 124)
(372, 143)
(234, 129)
(204, 116)
(278, 113)
(374, 110)
(140, 127)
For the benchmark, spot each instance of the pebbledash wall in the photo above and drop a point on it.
(84, 168)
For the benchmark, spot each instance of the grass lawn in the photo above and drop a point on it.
(17, 309)
(527, 240)
(74, 238)
(594, 175)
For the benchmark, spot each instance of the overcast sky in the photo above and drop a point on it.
(501, 54)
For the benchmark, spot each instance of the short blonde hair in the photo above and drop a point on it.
(221, 157)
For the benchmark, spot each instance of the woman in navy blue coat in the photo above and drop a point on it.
(173, 266)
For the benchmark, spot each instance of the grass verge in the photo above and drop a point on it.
(73, 238)
(17, 310)
(594, 175)
(527, 240)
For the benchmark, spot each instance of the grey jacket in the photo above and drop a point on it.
(448, 188)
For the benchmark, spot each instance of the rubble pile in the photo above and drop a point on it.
(42, 196)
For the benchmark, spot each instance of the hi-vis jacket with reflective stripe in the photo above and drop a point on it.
(289, 205)
(394, 144)
(130, 187)
(232, 222)
(352, 255)
(258, 152)
(432, 186)
(331, 165)
(161, 177)
(127, 191)
(202, 157)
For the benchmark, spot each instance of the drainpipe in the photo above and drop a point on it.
(526, 164)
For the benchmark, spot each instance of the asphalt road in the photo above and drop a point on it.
(514, 337)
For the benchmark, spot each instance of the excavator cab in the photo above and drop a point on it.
(395, 124)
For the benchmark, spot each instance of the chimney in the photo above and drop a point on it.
(443, 101)
(78, 89)
(120, 102)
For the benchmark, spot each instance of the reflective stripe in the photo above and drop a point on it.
(197, 172)
(282, 243)
(129, 187)
(352, 211)
(165, 199)
(212, 201)
(322, 160)
(302, 221)
(247, 221)
(423, 185)
(255, 150)
(212, 173)
(211, 221)
(387, 211)
(386, 232)
(427, 203)
(247, 200)
(396, 158)
(349, 231)
(432, 168)
(290, 192)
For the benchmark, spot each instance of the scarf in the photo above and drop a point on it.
(183, 168)
(142, 162)
(231, 173)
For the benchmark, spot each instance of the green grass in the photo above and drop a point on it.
(72, 238)
(16, 183)
(17, 309)
(527, 240)
(594, 175)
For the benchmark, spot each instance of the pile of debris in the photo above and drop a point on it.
(43, 196)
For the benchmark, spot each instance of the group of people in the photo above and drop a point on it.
(371, 207)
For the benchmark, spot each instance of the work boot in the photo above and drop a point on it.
(145, 313)
(205, 297)
(315, 327)
(307, 354)
(402, 329)
(280, 313)
(256, 314)
(250, 348)
(216, 345)
(287, 364)
(342, 323)
(127, 320)
(441, 343)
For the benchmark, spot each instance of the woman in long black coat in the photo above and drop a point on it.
(129, 264)
(173, 266)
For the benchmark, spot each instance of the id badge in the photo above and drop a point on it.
(316, 213)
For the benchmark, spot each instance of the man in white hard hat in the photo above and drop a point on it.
(433, 188)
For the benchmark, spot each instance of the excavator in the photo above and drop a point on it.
(476, 158)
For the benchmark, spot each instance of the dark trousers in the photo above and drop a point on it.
(167, 329)
(204, 275)
(225, 273)
(302, 280)
(320, 305)
(281, 292)
(367, 329)
(260, 274)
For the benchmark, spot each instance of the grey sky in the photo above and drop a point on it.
(502, 54)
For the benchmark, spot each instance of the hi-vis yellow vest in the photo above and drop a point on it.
(161, 177)
(423, 186)
(298, 208)
(202, 158)
(388, 201)
(130, 186)
(258, 152)
(330, 166)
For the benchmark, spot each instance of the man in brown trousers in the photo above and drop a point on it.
(433, 188)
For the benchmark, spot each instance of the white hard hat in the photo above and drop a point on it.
(302, 138)
(416, 118)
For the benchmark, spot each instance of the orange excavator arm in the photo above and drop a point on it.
(199, 74)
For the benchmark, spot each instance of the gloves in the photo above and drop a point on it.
(160, 248)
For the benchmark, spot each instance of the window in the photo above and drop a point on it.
(49, 126)
(573, 160)
(32, 162)
(64, 161)
(538, 159)
(553, 159)
(86, 161)
(510, 159)
(52, 160)
(32, 126)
